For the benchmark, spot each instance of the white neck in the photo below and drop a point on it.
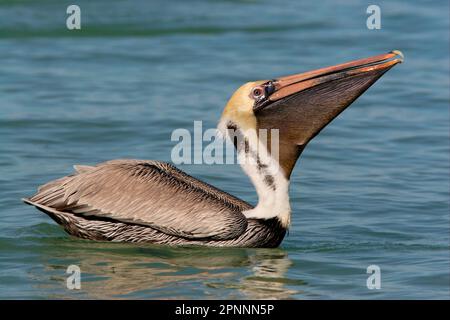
(268, 178)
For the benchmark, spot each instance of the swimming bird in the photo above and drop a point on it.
(149, 201)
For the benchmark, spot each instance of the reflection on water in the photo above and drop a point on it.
(268, 280)
(115, 270)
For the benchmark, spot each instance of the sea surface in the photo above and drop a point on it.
(371, 189)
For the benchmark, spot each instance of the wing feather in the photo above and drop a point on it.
(151, 193)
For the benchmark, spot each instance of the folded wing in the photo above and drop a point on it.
(150, 193)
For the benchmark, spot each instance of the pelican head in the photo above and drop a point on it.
(301, 105)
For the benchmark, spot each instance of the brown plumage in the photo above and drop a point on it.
(150, 201)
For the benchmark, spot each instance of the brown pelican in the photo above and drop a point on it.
(154, 202)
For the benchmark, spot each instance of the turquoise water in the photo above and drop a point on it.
(372, 188)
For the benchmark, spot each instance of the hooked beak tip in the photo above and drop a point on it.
(400, 55)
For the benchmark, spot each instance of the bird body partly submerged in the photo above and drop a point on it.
(173, 208)
(154, 202)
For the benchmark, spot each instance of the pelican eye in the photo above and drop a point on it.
(261, 93)
(257, 92)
